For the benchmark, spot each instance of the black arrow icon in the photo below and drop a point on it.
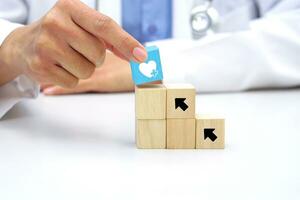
(209, 133)
(179, 102)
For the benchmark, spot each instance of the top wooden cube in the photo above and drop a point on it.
(180, 101)
(150, 101)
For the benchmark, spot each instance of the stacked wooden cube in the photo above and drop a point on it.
(165, 118)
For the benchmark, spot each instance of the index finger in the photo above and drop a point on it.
(106, 29)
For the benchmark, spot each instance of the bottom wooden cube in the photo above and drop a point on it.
(210, 132)
(151, 133)
(180, 133)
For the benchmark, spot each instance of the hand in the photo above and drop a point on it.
(66, 45)
(114, 76)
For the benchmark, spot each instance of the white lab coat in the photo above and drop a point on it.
(247, 52)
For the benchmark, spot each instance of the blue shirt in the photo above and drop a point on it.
(147, 20)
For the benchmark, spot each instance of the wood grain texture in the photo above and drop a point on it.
(210, 122)
(181, 133)
(150, 101)
(180, 91)
(151, 133)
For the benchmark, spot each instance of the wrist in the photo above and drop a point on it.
(13, 51)
(9, 70)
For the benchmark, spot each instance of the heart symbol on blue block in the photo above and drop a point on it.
(148, 69)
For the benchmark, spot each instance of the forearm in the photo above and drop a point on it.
(262, 57)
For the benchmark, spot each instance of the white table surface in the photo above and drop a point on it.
(82, 147)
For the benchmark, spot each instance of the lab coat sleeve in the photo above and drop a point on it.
(12, 14)
(265, 56)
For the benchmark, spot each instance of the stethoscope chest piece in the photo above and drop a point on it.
(203, 19)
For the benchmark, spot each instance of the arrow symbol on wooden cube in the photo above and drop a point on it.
(209, 133)
(179, 102)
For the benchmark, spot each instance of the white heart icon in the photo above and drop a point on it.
(148, 69)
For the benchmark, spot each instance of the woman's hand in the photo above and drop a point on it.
(65, 46)
(113, 76)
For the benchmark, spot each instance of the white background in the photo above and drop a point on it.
(82, 147)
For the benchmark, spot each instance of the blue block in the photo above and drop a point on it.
(148, 71)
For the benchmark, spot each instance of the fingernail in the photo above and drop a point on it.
(139, 54)
(48, 91)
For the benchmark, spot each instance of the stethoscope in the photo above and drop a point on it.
(203, 18)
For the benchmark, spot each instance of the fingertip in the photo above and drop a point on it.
(139, 54)
(51, 91)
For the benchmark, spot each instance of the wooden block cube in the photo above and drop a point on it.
(181, 134)
(150, 101)
(151, 134)
(180, 101)
(210, 132)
